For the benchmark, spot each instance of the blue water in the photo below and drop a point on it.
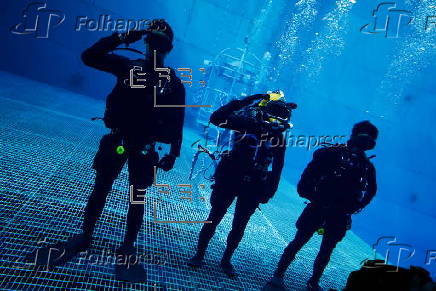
(315, 51)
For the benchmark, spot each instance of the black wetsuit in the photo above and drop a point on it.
(243, 171)
(338, 183)
(136, 124)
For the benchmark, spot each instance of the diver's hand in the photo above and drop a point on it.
(269, 188)
(131, 36)
(292, 105)
(264, 199)
(276, 127)
(267, 194)
(167, 162)
(281, 127)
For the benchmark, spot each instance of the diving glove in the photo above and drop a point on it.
(167, 162)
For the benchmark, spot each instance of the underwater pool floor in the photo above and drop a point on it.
(47, 145)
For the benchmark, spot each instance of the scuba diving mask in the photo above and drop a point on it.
(159, 41)
(276, 110)
(363, 141)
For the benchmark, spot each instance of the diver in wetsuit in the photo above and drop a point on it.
(243, 171)
(339, 181)
(136, 125)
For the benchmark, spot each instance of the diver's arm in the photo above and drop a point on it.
(177, 143)
(179, 121)
(371, 188)
(224, 117)
(99, 55)
(306, 187)
(176, 118)
(277, 167)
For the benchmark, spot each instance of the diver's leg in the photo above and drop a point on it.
(96, 201)
(140, 177)
(221, 198)
(300, 239)
(245, 207)
(333, 234)
(141, 171)
(306, 225)
(108, 164)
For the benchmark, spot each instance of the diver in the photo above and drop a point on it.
(338, 182)
(258, 122)
(136, 125)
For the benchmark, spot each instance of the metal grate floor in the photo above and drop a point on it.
(47, 145)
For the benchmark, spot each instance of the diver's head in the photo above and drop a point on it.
(159, 37)
(363, 136)
(276, 111)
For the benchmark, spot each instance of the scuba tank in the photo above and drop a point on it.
(345, 183)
